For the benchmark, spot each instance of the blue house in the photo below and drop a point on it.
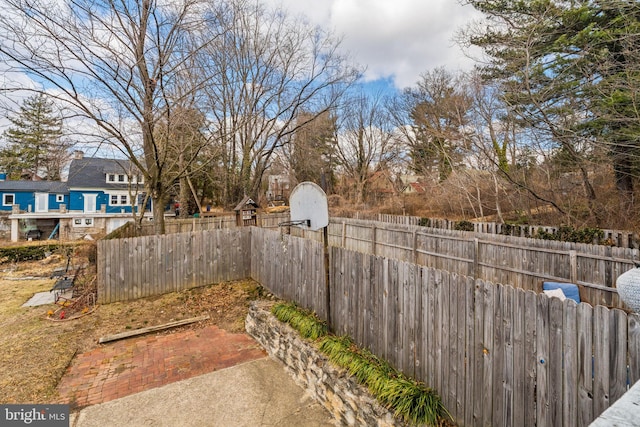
(103, 185)
(33, 196)
(99, 196)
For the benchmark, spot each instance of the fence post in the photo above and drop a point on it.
(573, 260)
(344, 234)
(476, 257)
(373, 239)
(415, 247)
(327, 274)
(609, 279)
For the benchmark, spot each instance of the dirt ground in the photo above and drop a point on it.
(35, 350)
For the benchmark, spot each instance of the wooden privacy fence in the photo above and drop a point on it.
(292, 266)
(139, 267)
(497, 355)
(619, 238)
(523, 263)
(188, 225)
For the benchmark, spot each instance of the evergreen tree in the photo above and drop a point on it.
(569, 71)
(33, 142)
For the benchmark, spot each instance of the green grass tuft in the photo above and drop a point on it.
(304, 321)
(410, 400)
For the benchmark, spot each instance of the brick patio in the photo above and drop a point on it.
(129, 366)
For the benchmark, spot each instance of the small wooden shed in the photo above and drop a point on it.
(247, 212)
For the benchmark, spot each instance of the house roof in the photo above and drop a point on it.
(247, 201)
(35, 186)
(90, 172)
(416, 187)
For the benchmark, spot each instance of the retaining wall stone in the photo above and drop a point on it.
(350, 403)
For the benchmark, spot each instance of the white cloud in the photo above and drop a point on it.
(393, 38)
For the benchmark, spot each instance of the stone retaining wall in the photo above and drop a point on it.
(349, 402)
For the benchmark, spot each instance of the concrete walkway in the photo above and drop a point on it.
(195, 377)
(258, 393)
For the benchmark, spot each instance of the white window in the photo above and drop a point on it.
(89, 202)
(8, 199)
(59, 198)
(118, 199)
(82, 222)
(120, 178)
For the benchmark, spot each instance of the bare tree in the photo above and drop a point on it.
(313, 150)
(270, 69)
(366, 140)
(432, 117)
(116, 64)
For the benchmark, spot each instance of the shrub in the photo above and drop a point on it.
(26, 253)
(424, 222)
(566, 233)
(410, 400)
(464, 226)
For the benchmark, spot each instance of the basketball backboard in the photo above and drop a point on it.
(308, 205)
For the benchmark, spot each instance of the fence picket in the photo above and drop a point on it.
(554, 365)
(543, 413)
(601, 343)
(570, 363)
(488, 351)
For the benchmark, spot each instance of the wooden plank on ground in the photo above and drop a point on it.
(149, 329)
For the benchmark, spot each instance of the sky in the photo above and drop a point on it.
(396, 40)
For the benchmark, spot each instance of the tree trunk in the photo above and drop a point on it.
(623, 176)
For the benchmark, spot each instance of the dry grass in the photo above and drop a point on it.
(35, 351)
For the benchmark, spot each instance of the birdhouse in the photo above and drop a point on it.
(247, 212)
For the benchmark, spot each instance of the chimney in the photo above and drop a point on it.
(78, 154)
